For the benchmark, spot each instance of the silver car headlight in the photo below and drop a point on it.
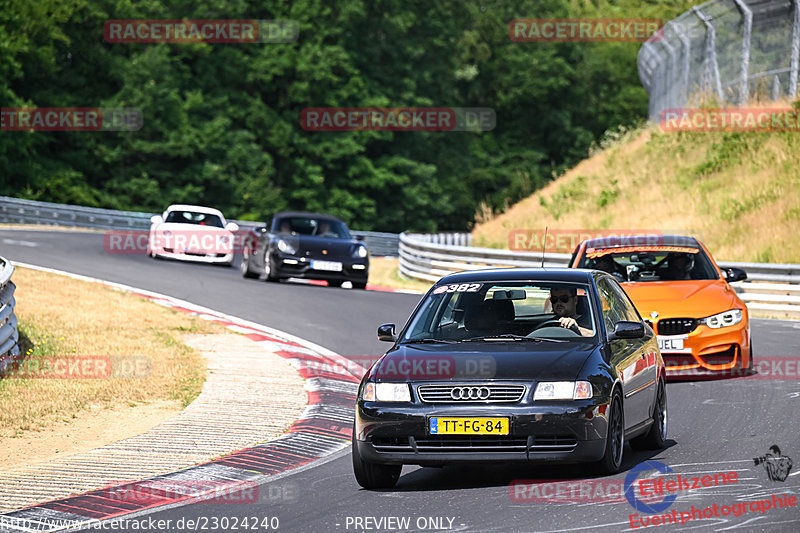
(386, 392)
(285, 247)
(724, 319)
(361, 251)
(563, 390)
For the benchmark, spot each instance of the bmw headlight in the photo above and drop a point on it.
(285, 247)
(721, 320)
(386, 392)
(563, 390)
(361, 251)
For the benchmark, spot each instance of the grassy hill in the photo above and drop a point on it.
(737, 192)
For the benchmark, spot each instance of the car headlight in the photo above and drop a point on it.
(285, 247)
(721, 320)
(386, 392)
(563, 390)
(361, 251)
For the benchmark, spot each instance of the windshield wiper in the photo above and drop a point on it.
(429, 341)
(512, 337)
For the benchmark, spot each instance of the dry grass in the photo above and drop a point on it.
(738, 192)
(383, 271)
(66, 318)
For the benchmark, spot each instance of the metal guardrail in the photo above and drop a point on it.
(18, 211)
(9, 336)
(771, 288)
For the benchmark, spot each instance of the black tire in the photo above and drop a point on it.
(244, 267)
(332, 283)
(268, 269)
(656, 437)
(359, 284)
(750, 366)
(615, 439)
(373, 476)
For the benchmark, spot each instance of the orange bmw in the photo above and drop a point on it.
(703, 327)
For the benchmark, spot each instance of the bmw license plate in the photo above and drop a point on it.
(331, 266)
(672, 344)
(468, 426)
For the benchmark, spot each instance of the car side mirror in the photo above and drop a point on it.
(625, 329)
(156, 219)
(386, 333)
(233, 227)
(735, 274)
(359, 237)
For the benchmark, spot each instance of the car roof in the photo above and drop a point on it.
(195, 208)
(644, 239)
(305, 214)
(568, 275)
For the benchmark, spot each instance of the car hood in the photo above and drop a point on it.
(483, 360)
(189, 228)
(324, 248)
(691, 298)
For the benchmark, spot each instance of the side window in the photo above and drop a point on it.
(609, 307)
(627, 309)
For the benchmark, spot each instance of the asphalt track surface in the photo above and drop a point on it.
(714, 426)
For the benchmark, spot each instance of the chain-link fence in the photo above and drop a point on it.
(723, 51)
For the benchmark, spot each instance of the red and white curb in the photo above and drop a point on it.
(324, 428)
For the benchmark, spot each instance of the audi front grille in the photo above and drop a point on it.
(471, 393)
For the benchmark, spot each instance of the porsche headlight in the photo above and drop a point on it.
(285, 247)
(361, 251)
(563, 390)
(721, 320)
(386, 392)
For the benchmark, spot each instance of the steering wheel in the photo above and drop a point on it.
(556, 323)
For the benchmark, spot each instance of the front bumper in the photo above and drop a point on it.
(550, 432)
(198, 258)
(288, 266)
(709, 351)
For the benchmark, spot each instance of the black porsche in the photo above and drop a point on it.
(305, 245)
(512, 365)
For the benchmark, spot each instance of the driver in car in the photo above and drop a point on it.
(564, 302)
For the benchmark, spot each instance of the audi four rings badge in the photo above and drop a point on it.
(470, 393)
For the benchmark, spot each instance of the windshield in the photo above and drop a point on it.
(318, 227)
(190, 217)
(508, 310)
(651, 263)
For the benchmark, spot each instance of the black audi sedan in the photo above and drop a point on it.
(306, 245)
(512, 365)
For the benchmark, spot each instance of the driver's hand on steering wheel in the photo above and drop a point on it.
(567, 322)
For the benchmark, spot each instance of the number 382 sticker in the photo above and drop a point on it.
(458, 287)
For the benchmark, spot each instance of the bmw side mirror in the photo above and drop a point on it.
(156, 219)
(386, 333)
(359, 237)
(625, 329)
(735, 274)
